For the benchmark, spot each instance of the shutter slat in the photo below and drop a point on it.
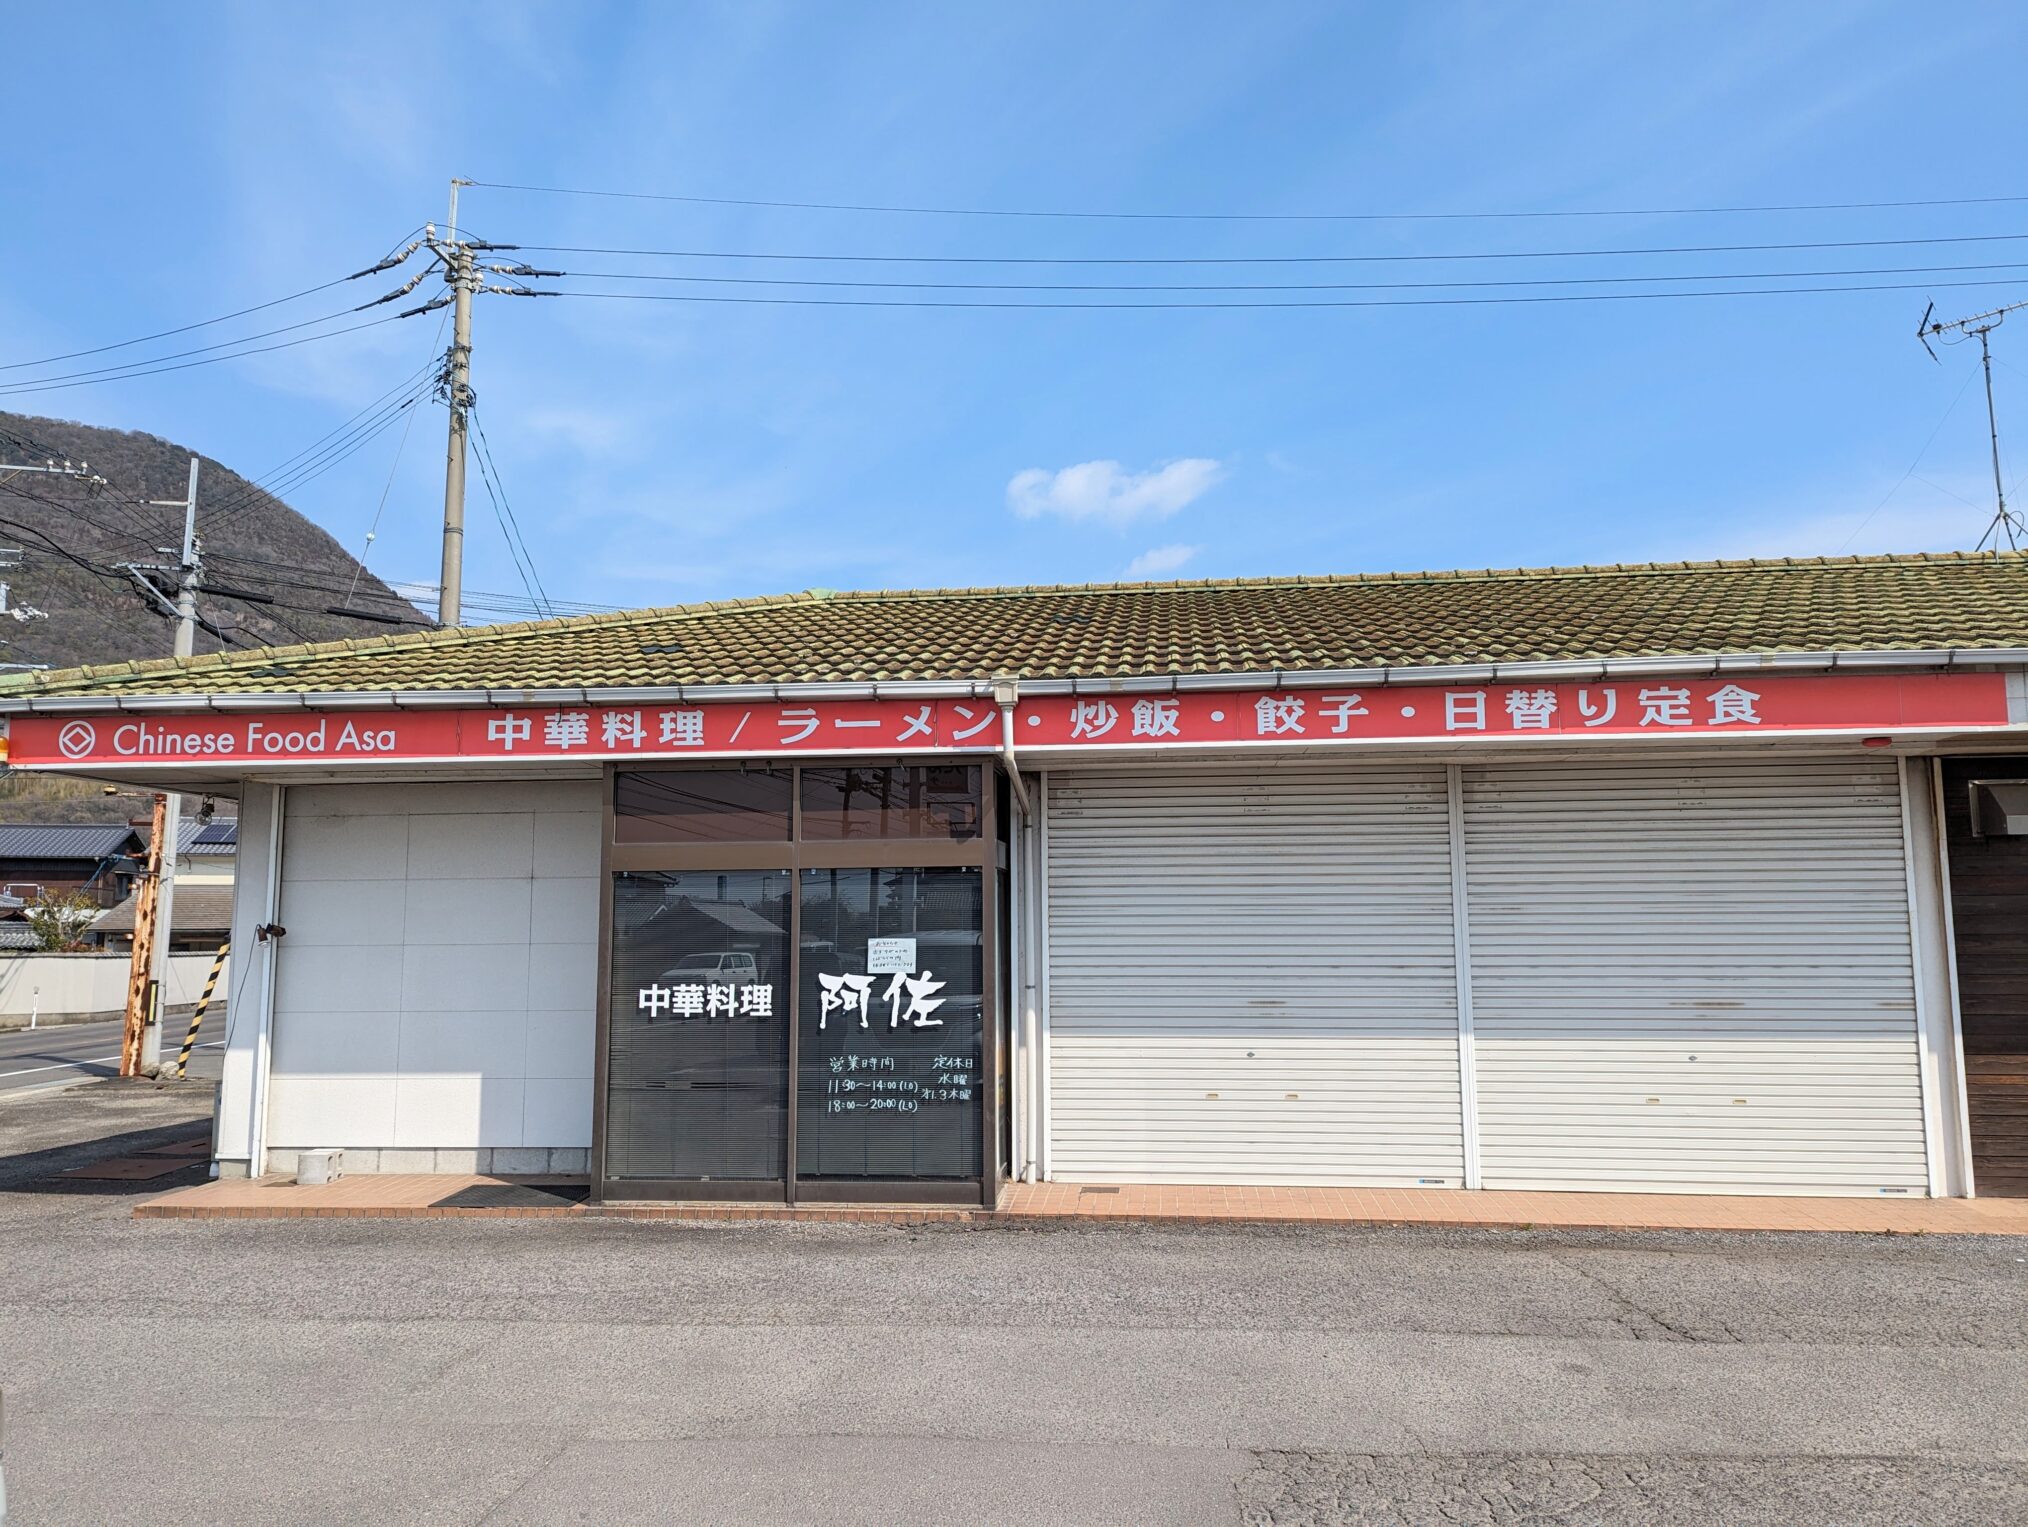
(1754, 915)
(1302, 914)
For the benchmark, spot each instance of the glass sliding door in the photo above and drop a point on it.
(890, 1025)
(698, 1048)
(800, 995)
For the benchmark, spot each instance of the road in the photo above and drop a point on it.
(587, 1371)
(72, 1052)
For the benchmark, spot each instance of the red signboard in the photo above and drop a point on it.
(1716, 707)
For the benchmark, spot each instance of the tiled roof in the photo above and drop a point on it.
(1960, 600)
(196, 909)
(217, 838)
(34, 840)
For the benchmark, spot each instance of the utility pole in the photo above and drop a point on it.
(143, 994)
(11, 557)
(466, 279)
(162, 846)
(458, 382)
(2005, 521)
(191, 569)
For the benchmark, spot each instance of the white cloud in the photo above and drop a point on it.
(589, 431)
(1159, 560)
(1104, 491)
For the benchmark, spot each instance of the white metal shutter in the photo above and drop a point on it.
(1693, 975)
(1252, 976)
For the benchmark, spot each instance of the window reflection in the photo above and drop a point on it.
(891, 801)
(701, 806)
(889, 1024)
(698, 1074)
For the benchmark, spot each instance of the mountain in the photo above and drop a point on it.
(46, 800)
(73, 535)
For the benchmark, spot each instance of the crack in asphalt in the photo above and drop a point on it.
(1628, 1304)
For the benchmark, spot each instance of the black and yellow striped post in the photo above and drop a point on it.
(204, 1001)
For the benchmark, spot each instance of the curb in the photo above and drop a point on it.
(990, 1219)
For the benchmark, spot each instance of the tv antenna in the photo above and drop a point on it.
(2005, 521)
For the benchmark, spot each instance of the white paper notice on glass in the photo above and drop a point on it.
(887, 956)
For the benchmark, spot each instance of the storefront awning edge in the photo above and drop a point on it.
(1566, 670)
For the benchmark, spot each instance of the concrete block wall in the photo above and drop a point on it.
(505, 1161)
(70, 988)
(434, 996)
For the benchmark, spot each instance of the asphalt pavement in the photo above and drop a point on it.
(598, 1371)
(65, 1054)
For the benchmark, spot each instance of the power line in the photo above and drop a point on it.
(98, 570)
(1371, 302)
(307, 339)
(205, 323)
(34, 382)
(283, 465)
(516, 605)
(308, 577)
(126, 344)
(146, 536)
(133, 578)
(286, 577)
(251, 561)
(250, 495)
(510, 527)
(142, 528)
(271, 608)
(113, 575)
(343, 442)
(394, 466)
(1331, 259)
(318, 580)
(1246, 217)
(493, 602)
(1902, 482)
(350, 445)
(1290, 286)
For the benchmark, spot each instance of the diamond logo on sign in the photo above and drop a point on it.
(77, 739)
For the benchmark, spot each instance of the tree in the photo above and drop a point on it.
(60, 918)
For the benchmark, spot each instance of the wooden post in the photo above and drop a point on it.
(140, 970)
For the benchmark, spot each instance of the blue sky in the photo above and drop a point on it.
(169, 164)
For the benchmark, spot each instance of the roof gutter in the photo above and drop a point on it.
(1591, 669)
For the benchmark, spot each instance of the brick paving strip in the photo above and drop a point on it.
(418, 1196)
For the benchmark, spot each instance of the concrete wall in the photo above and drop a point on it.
(434, 996)
(60, 988)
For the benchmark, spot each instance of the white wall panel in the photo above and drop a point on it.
(328, 1108)
(436, 987)
(1693, 975)
(1251, 976)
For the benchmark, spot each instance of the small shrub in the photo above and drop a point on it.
(60, 919)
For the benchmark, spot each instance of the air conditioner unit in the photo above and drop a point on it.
(1999, 808)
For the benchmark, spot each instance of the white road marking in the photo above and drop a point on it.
(92, 1060)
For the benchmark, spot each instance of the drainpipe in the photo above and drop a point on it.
(265, 936)
(1006, 694)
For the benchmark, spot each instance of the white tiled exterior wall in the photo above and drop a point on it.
(434, 996)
